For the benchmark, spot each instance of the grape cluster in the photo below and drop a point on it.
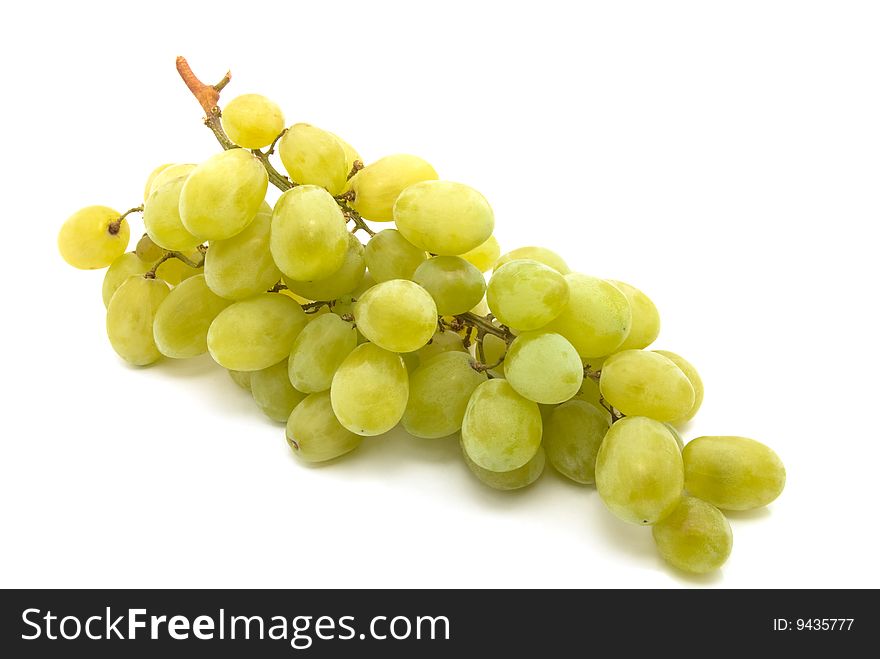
(341, 340)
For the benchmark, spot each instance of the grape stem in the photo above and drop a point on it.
(151, 273)
(615, 415)
(590, 373)
(208, 96)
(113, 227)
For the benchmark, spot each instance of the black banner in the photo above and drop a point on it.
(421, 623)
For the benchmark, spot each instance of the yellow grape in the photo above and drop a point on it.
(378, 185)
(169, 174)
(483, 256)
(223, 194)
(696, 382)
(273, 393)
(509, 480)
(308, 240)
(180, 328)
(130, 319)
(123, 267)
(351, 154)
(597, 317)
(443, 217)
(90, 238)
(639, 470)
(543, 367)
(344, 280)
(313, 156)
(733, 473)
(149, 185)
(695, 537)
(642, 383)
(573, 433)
(242, 266)
(174, 271)
(256, 333)
(162, 217)
(397, 315)
(148, 251)
(539, 254)
(526, 294)
(252, 120)
(314, 434)
(455, 284)
(370, 390)
(391, 256)
(318, 352)
(645, 318)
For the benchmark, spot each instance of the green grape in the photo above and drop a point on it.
(91, 238)
(573, 433)
(695, 537)
(501, 430)
(174, 271)
(455, 284)
(242, 266)
(483, 256)
(733, 473)
(441, 342)
(309, 240)
(597, 317)
(639, 472)
(273, 393)
(589, 393)
(148, 251)
(223, 194)
(180, 327)
(391, 256)
(314, 434)
(378, 185)
(397, 315)
(696, 382)
(314, 157)
(318, 352)
(162, 217)
(494, 349)
(641, 383)
(351, 154)
(439, 391)
(675, 435)
(343, 281)
(411, 361)
(123, 267)
(509, 480)
(252, 120)
(443, 217)
(256, 333)
(539, 254)
(241, 378)
(130, 319)
(543, 367)
(526, 294)
(645, 318)
(369, 390)
(168, 174)
(149, 185)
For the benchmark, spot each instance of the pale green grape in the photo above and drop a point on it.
(241, 378)
(733, 473)
(639, 471)
(162, 217)
(539, 254)
(273, 393)
(223, 194)
(509, 480)
(675, 435)
(180, 328)
(314, 434)
(526, 294)
(573, 433)
(314, 157)
(168, 174)
(439, 391)
(148, 251)
(256, 333)
(695, 537)
(397, 315)
(443, 217)
(175, 271)
(696, 382)
(123, 267)
(501, 430)
(149, 185)
(391, 256)
(378, 185)
(351, 154)
(597, 317)
(483, 256)
(130, 319)
(441, 342)
(369, 391)
(589, 393)
(494, 349)
(455, 284)
(308, 239)
(641, 383)
(242, 266)
(252, 120)
(343, 281)
(645, 318)
(543, 367)
(318, 351)
(90, 238)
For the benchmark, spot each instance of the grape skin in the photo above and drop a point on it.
(695, 537)
(130, 319)
(483, 256)
(397, 315)
(313, 156)
(573, 433)
(526, 295)
(696, 382)
(514, 479)
(539, 254)
(455, 284)
(645, 318)
(378, 185)
(252, 120)
(273, 393)
(543, 367)
(162, 217)
(641, 383)
(242, 266)
(389, 255)
(123, 267)
(318, 352)
(86, 240)
(346, 279)
(180, 328)
(314, 434)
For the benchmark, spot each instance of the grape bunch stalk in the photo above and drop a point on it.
(342, 340)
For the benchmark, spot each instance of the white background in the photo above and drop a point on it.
(724, 157)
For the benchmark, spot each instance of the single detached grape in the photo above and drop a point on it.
(526, 295)
(573, 433)
(252, 121)
(397, 315)
(696, 382)
(641, 383)
(314, 434)
(645, 318)
(93, 237)
(378, 185)
(514, 479)
(130, 319)
(313, 156)
(180, 327)
(695, 537)
(455, 284)
(539, 254)
(391, 256)
(543, 367)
